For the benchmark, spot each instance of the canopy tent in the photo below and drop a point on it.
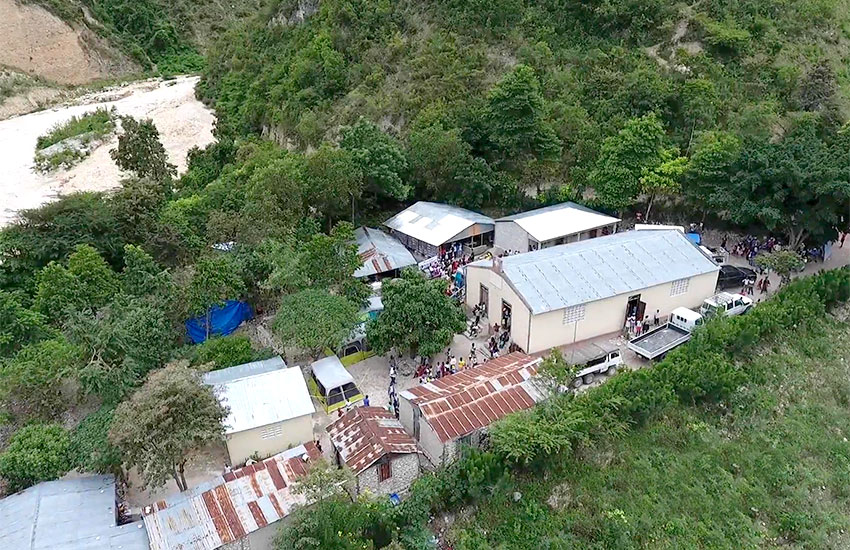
(332, 385)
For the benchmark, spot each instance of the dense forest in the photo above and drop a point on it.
(336, 113)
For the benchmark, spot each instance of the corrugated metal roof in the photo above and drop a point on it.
(365, 434)
(331, 372)
(459, 404)
(265, 398)
(571, 274)
(380, 252)
(436, 223)
(232, 506)
(67, 514)
(559, 220)
(242, 371)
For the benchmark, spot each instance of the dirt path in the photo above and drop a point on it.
(183, 122)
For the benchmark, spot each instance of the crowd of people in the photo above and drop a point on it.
(749, 247)
(449, 265)
(634, 327)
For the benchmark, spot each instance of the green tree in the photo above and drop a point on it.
(418, 316)
(32, 378)
(322, 482)
(216, 279)
(140, 151)
(710, 167)
(782, 262)
(664, 179)
(625, 158)
(171, 416)
(329, 261)
(224, 352)
(314, 319)
(380, 157)
(86, 283)
(19, 325)
(90, 449)
(36, 453)
(143, 278)
(516, 119)
(333, 181)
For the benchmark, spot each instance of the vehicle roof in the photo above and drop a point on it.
(686, 313)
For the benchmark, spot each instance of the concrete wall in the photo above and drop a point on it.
(242, 445)
(499, 290)
(403, 469)
(510, 236)
(606, 316)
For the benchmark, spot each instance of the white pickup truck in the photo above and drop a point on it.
(655, 343)
(593, 360)
(725, 303)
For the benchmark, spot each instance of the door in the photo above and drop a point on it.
(416, 416)
(633, 307)
(484, 298)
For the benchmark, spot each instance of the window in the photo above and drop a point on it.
(384, 470)
(679, 287)
(573, 314)
(271, 432)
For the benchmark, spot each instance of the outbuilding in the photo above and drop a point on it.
(270, 408)
(428, 228)
(563, 223)
(382, 255)
(456, 410)
(373, 444)
(573, 292)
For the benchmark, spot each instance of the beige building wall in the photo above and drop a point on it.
(535, 333)
(295, 431)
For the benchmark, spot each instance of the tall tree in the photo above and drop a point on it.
(380, 157)
(216, 278)
(86, 283)
(314, 320)
(418, 316)
(173, 415)
(710, 167)
(18, 325)
(140, 151)
(663, 179)
(333, 181)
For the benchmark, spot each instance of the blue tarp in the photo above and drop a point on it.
(223, 321)
(694, 237)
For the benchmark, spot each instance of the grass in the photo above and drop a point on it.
(98, 123)
(770, 470)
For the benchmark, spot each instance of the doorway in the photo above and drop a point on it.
(506, 315)
(484, 298)
(635, 307)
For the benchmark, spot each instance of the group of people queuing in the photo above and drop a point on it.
(429, 371)
(634, 327)
(392, 394)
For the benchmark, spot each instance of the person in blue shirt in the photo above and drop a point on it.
(366, 401)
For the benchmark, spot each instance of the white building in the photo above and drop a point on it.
(270, 408)
(568, 293)
(553, 225)
(372, 443)
(426, 227)
(457, 409)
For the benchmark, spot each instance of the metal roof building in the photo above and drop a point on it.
(270, 408)
(568, 293)
(553, 225)
(425, 226)
(456, 406)
(232, 506)
(380, 253)
(67, 514)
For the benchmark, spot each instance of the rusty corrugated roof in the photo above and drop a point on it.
(365, 434)
(228, 508)
(459, 404)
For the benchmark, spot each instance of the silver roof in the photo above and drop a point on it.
(67, 514)
(222, 376)
(572, 274)
(435, 223)
(559, 220)
(380, 252)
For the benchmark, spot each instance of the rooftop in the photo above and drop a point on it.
(555, 221)
(380, 252)
(571, 274)
(436, 223)
(67, 514)
(274, 394)
(331, 373)
(459, 404)
(231, 506)
(365, 434)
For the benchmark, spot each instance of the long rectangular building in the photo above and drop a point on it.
(568, 293)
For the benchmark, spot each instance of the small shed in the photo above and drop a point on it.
(373, 444)
(457, 409)
(270, 408)
(332, 385)
(567, 222)
(382, 255)
(238, 509)
(427, 227)
(68, 514)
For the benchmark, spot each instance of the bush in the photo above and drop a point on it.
(97, 123)
(36, 453)
(228, 351)
(90, 449)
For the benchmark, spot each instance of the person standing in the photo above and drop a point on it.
(655, 317)
(366, 401)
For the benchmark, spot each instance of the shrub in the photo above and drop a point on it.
(225, 352)
(90, 449)
(97, 123)
(36, 453)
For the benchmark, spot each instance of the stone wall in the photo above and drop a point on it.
(404, 469)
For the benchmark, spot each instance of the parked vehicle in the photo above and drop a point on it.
(725, 304)
(657, 342)
(593, 360)
(732, 276)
